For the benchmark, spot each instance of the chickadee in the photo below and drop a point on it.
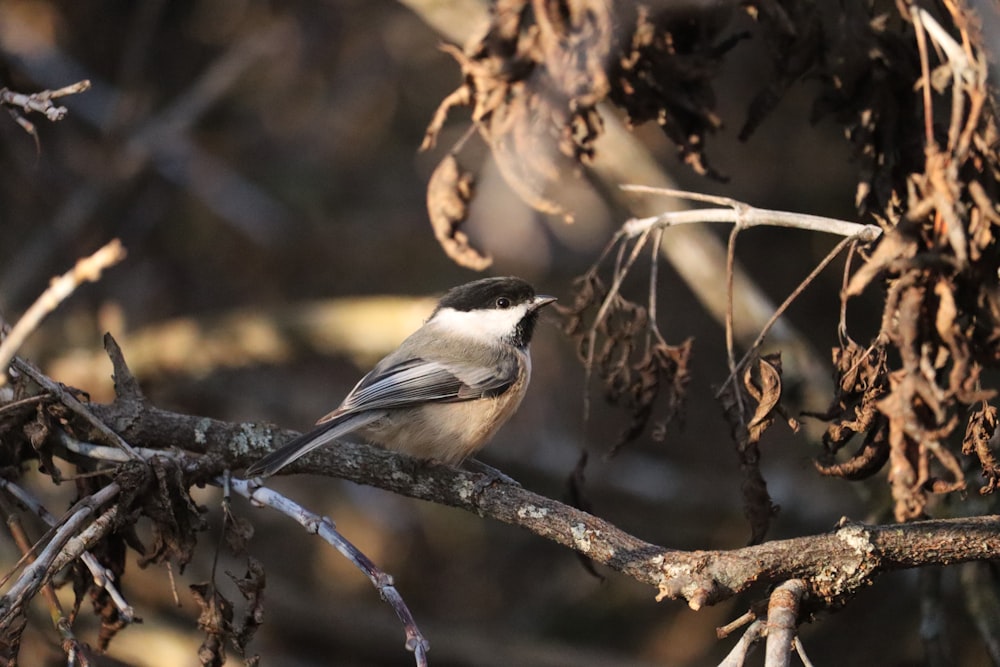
(446, 389)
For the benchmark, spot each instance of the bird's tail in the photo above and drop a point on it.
(305, 443)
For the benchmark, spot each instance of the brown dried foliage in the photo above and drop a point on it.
(535, 80)
(635, 365)
(448, 195)
(218, 615)
(909, 392)
(759, 387)
(157, 494)
(862, 379)
(930, 179)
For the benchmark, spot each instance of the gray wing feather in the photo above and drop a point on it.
(420, 381)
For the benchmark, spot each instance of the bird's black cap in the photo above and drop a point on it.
(484, 294)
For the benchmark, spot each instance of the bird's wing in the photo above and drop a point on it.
(420, 381)
(399, 385)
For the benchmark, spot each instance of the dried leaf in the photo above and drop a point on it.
(215, 620)
(251, 587)
(766, 390)
(757, 504)
(448, 195)
(868, 460)
(639, 371)
(237, 532)
(10, 641)
(176, 518)
(982, 438)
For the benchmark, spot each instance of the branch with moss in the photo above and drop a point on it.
(835, 564)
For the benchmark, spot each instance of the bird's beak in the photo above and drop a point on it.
(541, 301)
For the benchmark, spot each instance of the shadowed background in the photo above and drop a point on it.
(259, 162)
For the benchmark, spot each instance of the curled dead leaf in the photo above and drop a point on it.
(982, 438)
(757, 504)
(448, 195)
(868, 460)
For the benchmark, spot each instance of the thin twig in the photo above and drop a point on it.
(683, 194)
(86, 269)
(24, 402)
(738, 397)
(745, 646)
(724, 631)
(925, 76)
(75, 653)
(730, 264)
(103, 452)
(42, 101)
(842, 334)
(801, 650)
(103, 577)
(745, 216)
(73, 403)
(620, 273)
(57, 554)
(619, 276)
(324, 528)
(782, 308)
(654, 271)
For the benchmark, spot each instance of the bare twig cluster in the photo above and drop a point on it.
(41, 102)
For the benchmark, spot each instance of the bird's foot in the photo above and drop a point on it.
(492, 475)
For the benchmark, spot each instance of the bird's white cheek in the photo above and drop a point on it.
(486, 326)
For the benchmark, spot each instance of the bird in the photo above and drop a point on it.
(447, 389)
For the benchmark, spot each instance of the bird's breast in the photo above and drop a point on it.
(447, 432)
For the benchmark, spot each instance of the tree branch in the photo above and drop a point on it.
(42, 101)
(783, 621)
(833, 564)
(743, 216)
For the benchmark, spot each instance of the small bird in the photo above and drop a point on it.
(447, 389)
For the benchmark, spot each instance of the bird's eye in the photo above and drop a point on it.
(503, 302)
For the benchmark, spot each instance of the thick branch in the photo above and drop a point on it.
(834, 564)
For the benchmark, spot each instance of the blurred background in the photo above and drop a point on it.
(259, 161)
